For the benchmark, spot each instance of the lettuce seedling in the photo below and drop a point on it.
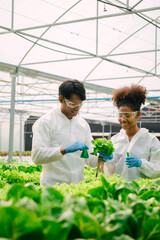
(102, 145)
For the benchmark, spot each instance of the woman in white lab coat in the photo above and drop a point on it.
(137, 152)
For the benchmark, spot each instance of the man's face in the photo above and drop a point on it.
(70, 107)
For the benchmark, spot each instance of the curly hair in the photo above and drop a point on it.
(132, 97)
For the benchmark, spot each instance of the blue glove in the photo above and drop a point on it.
(105, 157)
(75, 147)
(133, 162)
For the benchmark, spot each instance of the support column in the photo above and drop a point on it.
(1, 136)
(97, 31)
(156, 49)
(12, 19)
(20, 139)
(102, 123)
(12, 111)
(110, 131)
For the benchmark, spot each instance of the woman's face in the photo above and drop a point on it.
(128, 118)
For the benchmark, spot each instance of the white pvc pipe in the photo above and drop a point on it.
(11, 129)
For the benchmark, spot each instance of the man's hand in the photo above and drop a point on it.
(75, 147)
(104, 156)
(133, 162)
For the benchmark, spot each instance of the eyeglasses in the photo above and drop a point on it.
(72, 104)
(127, 115)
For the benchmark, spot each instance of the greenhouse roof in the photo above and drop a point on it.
(105, 44)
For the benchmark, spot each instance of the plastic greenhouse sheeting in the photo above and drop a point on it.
(105, 44)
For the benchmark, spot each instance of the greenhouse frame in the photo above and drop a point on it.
(92, 169)
(104, 44)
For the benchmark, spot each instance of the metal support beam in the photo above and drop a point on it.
(135, 4)
(102, 58)
(1, 136)
(11, 128)
(90, 19)
(97, 29)
(156, 49)
(120, 77)
(47, 30)
(20, 138)
(102, 123)
(12, 20)
(114, 50)
(110, 130)
(140, 14)
(49, 77)
(89, 57)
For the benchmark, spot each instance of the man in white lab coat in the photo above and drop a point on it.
(60, 136)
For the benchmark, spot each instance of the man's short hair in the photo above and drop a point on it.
(69, 87)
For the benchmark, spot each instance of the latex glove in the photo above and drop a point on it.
(133, 162)
(105, 157)
(75, 147)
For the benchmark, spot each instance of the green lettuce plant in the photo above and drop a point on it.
(102, 145)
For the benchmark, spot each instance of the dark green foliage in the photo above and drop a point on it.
(106, 208)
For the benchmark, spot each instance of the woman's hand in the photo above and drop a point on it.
(133, 162)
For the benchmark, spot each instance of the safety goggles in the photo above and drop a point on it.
(127, 115)
(72, 104)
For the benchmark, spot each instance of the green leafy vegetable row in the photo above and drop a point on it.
(106, 208)
(24, 168)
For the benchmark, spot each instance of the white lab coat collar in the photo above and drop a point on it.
(64, 116)
(58, 110)
(135, 137)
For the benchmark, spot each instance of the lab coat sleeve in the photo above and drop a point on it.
(42, 152)
(92, 160)
(110, 165)
(151, 168)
